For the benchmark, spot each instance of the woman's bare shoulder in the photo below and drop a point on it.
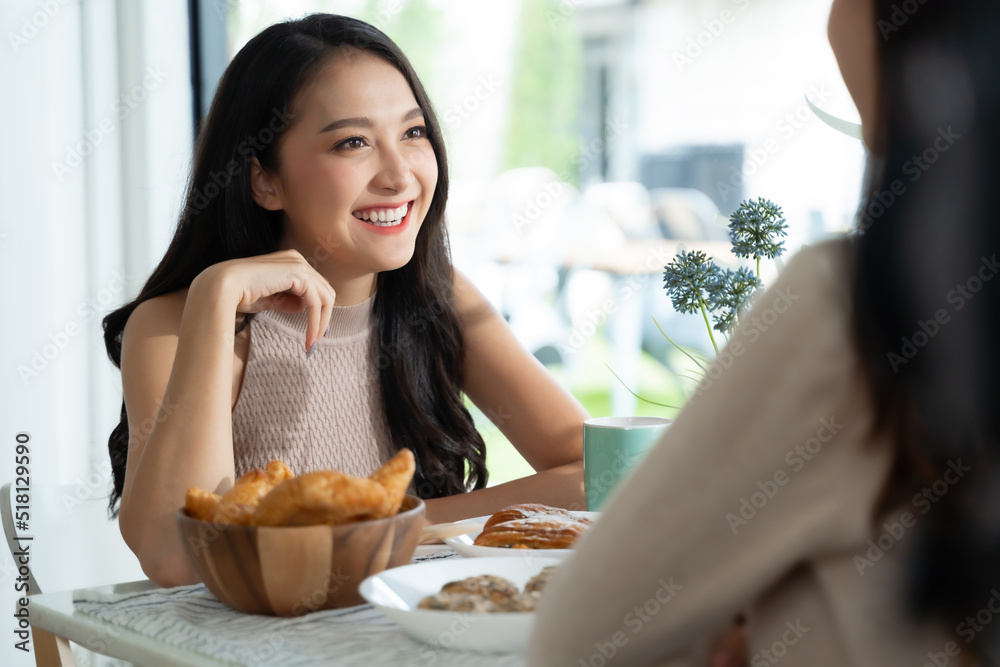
(159, 316)
(471, 305)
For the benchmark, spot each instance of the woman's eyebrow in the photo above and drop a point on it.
(364, 121)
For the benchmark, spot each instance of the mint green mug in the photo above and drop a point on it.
(612, 446)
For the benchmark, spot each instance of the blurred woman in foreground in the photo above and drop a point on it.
(837, 481)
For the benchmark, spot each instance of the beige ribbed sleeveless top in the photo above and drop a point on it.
(318, 413)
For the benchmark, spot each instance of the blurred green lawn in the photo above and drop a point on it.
(592, 385)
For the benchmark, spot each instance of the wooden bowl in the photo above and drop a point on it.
(289, 571)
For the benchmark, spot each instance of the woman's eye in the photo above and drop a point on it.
(352, 144)
(416, 132)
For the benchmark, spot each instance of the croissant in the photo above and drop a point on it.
(325, 496)
(531, 533)
(239, 503)
(532, 526)
(201, 504)
(526, 510)
(395, 476)
(276, 497)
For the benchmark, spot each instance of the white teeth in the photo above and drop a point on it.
(386, 217)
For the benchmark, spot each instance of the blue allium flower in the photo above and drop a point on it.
(732, 291)
(689, 280)
(754, 229)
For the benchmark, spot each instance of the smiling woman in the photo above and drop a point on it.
(308, 310)
(347, 180)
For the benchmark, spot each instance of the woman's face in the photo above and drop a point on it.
(853, 37)
(357, 171)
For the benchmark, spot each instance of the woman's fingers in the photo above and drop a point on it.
(286, 282)
(319, 298)
(326, 313)
(314, 312)
(730, 650)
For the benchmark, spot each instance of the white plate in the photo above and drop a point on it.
(463, 544)
(397, 592)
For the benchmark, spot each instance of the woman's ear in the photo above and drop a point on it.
(266, 190)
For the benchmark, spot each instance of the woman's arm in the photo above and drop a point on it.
(540, 418)
(177, 379)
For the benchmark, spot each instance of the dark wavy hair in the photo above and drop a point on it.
(417, 340)
(926, 305)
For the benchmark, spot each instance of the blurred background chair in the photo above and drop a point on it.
(688, 214)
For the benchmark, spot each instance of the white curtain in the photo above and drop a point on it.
(95, 125)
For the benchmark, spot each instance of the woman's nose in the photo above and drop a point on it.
(395, 171)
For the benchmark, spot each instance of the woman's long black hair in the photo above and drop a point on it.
(417, 341)
(927, 292)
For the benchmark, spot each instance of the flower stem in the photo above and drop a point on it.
(758, 268)
(701, 304)
(687, 354)
(644, 400)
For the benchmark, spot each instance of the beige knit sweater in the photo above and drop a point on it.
(322, 412)
(762, 496)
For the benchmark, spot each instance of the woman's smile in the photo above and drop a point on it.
(386, 219)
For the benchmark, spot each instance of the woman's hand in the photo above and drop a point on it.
(282, 281)
(730, 650)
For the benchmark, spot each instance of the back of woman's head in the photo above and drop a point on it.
(926, 302)
(254, 104)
